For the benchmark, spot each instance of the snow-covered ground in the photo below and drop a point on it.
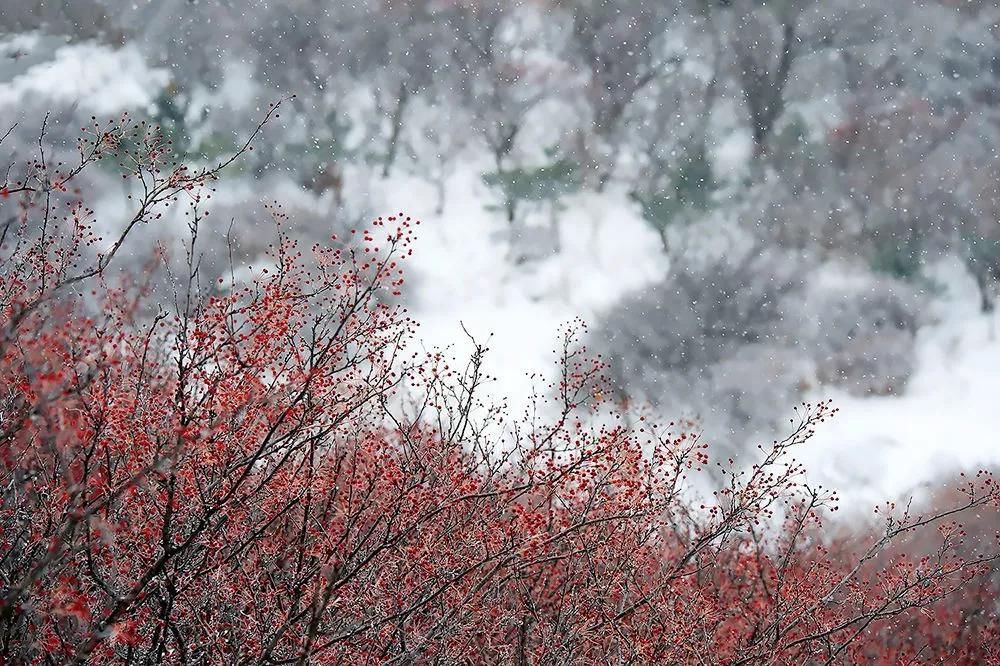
(878, 447)
(37, 68)
(947, 419)
(464, 275)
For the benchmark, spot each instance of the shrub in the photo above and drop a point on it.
(709, 339)
(670, 193)
(267, 476)
(860, 334)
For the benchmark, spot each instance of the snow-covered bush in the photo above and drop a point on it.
(690, 342)
(717, 325)
(860, 333)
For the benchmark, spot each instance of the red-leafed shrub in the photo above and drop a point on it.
(265, 474)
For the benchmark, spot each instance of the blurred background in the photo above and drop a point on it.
(751, 203)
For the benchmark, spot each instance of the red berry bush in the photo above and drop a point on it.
(265, 473)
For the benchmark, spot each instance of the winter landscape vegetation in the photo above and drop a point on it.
(499, 331)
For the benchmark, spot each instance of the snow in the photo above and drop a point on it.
(98, 79)
(946, 420)
(878, 447)
(465, 277)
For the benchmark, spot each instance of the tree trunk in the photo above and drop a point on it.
(402, 99)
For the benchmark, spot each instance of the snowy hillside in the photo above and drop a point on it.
(512, 259)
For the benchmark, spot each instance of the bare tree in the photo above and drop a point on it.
(621, 49)
(763, 38)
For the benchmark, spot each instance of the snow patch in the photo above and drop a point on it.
(465, 278)
(946, 420)
(100, 80)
